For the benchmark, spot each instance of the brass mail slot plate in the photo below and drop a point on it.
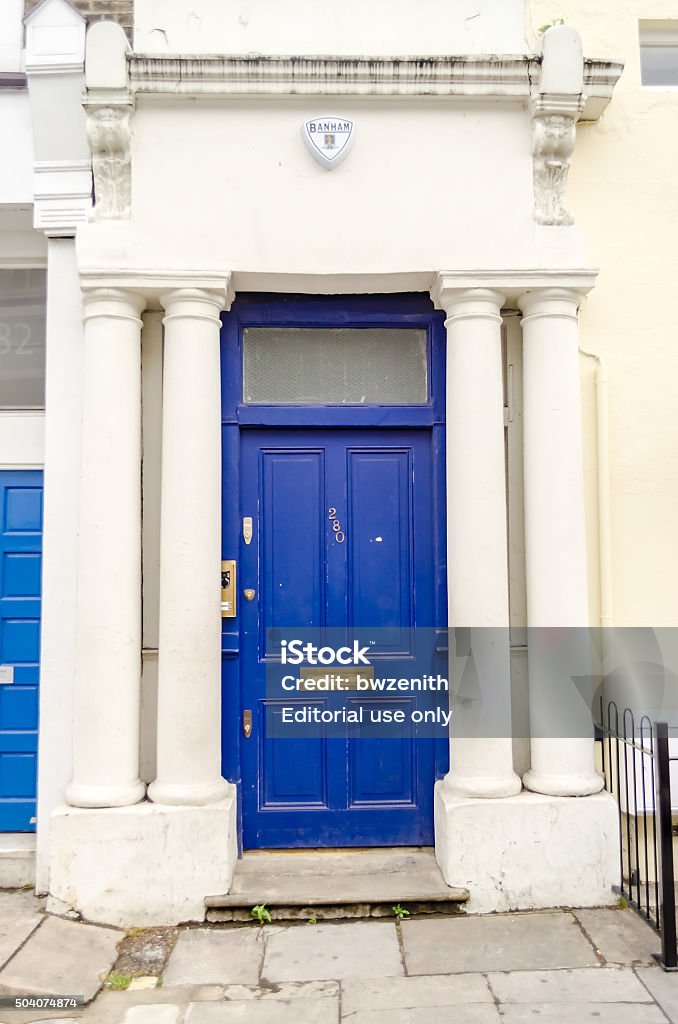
(228, 591)
(339, 677)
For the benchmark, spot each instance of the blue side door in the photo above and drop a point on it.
(20, 585)
(376, 572)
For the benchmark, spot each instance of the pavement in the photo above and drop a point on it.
(549, 967)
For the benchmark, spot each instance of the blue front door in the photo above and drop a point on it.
(374, 572)
(20, 576)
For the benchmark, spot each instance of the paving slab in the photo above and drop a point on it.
(475, 1013)
(284, 990)
(272, 1011)
(360, 994)
(597, 985)
(61, 958)
(502, 942)
(621, 936)
(596, 1013)
(361, 949)
(208, 957)
(20, 914)
(110, 1007)
(663, 987)
(153, 1013)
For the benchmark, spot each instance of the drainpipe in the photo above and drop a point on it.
(604, 532)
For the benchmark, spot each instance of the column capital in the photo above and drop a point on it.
(196, 303)
(113, 304)
(559, 302)
(464, 302)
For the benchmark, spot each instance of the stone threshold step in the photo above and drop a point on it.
(337, 883)
(332, 911)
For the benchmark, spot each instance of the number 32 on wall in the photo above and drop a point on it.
(336, 525)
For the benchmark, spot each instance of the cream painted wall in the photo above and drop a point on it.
(324, 26)
(423, 188)
(622, 191)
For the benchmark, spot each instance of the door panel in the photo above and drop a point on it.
(20, 586)
(380, 572)
(283, 784)
(342, 541)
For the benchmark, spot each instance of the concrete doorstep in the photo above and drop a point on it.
(551, 967)
(336, 884)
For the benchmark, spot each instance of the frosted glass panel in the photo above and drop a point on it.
(22, 338)
(334, 366)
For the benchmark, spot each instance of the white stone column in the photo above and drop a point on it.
(189, 669)
(106, 703)
(562, 753)
(481, 757)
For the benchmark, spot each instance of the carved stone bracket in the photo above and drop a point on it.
(108, 134)
(109, 105)
(554, 132)
(557, 103)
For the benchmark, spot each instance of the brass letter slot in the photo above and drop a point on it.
(336, 675)
(228, 609)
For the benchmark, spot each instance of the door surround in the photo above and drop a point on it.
(405, 310)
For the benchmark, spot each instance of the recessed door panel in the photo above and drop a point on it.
(292, 540)
(380, 592)
(294, 771)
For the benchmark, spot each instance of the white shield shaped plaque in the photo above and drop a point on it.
(329, 138)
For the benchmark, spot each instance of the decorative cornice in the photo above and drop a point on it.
(512, 283)
(499, 76)
(154, 284)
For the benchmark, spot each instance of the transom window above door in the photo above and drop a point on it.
(335, 366)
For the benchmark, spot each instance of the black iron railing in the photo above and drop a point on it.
(637, 769)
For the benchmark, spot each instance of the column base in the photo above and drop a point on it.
(563, 785)
(78, 795)
(177, 795)
(530, 852)
(484, 788)
(144, 865)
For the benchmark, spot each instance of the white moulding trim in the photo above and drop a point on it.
(510, 282)
(513, 283)
(65, 67)
(153, 284)
(63, 195)
(498, 76)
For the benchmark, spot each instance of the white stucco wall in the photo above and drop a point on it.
(623, 194)
(323, 26)
(16, 174)
(429, 184)
(11, 34)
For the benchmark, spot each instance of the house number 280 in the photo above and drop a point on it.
(336, 526)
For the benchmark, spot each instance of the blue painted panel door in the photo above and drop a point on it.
(316, 790)
(20, 585)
